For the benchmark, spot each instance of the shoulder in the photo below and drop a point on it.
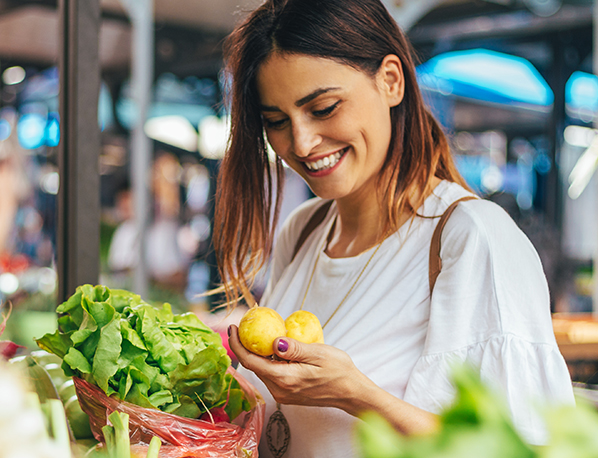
(484, 222)
(293, 225)
(287, 237)
(474, 220)
(495, 272)
(298, 218)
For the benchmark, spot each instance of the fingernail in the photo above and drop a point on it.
(283, 346)
(230, 330)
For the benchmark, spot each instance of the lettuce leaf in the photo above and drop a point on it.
(142, 354)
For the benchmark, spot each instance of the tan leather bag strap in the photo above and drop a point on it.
(313, 222)
(435, 261)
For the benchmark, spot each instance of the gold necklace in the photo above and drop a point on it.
(348, 292)
(278, 432)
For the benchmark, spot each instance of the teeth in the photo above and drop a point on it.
(325, 163)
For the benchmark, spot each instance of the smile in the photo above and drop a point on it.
(326, 162)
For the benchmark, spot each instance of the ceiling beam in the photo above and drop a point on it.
(504, 25)
(407, 13)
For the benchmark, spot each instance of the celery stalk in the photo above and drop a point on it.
(120, 423)
(59, 426)
(108, 432)
(154, 447)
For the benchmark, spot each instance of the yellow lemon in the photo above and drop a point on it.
(258, 329)
(305, 327)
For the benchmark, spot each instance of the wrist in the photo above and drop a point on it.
(365, 396)
(360, 395)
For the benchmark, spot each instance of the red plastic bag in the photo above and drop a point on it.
(181, 437)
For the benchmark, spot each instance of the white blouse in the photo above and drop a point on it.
(490, 307)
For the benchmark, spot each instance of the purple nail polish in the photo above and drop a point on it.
(283, 346)
(230, 330)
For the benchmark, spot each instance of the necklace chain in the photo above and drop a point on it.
(278, 419)
(348, 292)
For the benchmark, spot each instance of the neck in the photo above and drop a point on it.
(358, 227)
(360, 223)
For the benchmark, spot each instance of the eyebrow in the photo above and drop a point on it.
(302, 101)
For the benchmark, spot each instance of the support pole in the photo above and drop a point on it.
(78, 224)
(595, 69)
(141, 13)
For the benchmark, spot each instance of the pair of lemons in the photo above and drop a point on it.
(261, 326)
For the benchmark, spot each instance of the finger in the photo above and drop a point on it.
(266, 369)
(247, 359)
(299, 352)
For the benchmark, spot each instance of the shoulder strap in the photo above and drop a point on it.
(435, 261)
(313, 222)
(435, 264)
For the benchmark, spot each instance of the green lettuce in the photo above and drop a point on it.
(478, 424)
(145, 355)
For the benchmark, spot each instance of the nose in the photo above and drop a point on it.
(305, 138)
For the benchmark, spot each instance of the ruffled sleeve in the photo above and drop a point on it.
(527, 375)
(490, 307)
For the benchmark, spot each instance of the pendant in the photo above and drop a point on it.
(278, 433)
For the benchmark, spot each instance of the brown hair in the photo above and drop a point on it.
(359, 33)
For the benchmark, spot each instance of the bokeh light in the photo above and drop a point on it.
(13, 75)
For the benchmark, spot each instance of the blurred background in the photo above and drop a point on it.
(112, 126)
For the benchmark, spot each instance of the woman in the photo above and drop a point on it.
(332, 85)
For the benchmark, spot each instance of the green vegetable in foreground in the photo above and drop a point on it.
(478, 424)
(144, 355)
(117, 438)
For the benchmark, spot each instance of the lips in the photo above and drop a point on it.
(326, 162)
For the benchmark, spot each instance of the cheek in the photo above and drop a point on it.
(277, 142)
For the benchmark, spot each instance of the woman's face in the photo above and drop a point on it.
(328, 121)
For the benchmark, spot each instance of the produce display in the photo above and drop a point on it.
(261, 326)
(147, 356)
(477, 424)
(147, 383)
(65, 388)
(29, 427)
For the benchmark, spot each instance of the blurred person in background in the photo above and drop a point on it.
(14, 188)
(123, 253)
(166, 262)
(22, 240)
(9, 202)
(332, 85)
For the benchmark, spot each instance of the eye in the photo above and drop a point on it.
(274, 124)
(326, 111)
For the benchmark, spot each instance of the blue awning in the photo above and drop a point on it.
(486, 75)
(581, 96)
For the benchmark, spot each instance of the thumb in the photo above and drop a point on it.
(292, 350)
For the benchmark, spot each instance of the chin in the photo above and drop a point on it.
(328, 194)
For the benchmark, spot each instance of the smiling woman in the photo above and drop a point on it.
(403, 291)
(337, 136)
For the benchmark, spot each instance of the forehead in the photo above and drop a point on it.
(293, 76)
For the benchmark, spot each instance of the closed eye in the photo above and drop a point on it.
(326, 111)
(276, 124)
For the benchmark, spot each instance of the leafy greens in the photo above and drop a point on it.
(144, 355)
(478, 424)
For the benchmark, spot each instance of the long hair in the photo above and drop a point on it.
(359, 33)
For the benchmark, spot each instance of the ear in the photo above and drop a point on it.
(390, 78)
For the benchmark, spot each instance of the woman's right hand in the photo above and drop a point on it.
(322, 375)
(306, 374)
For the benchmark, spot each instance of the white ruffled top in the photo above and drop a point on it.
(490, 307)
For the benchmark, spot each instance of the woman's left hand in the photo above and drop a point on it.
(307, 374)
